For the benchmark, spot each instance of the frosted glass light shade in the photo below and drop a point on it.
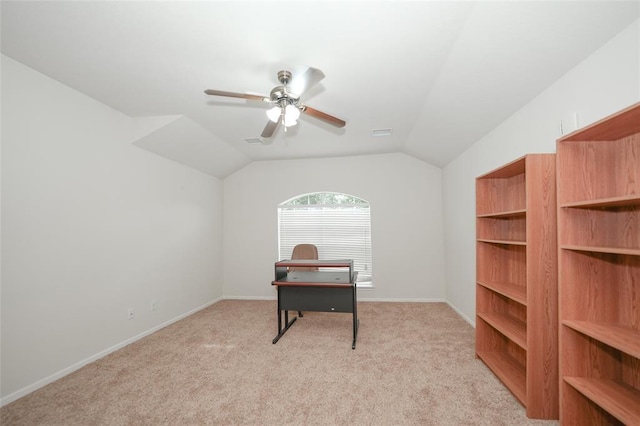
(274, 114)
(291, 114)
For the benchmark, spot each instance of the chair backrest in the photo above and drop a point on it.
(304, 252)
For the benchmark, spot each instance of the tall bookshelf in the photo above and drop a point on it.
(516, 280)
(599, 258)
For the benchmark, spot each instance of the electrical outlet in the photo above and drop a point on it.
(154, 305)
(130, 313)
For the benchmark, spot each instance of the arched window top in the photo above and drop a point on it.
(324, 199)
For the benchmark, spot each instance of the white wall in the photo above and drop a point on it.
(91, 226)
(604, 83)
(406, 215)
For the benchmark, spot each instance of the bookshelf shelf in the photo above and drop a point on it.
(512, 328)
(506, 214)
(617, 336)
(508, 368)
(618, 399)
(510, 290)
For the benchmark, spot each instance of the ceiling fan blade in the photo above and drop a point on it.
(303, 82)
(236, 95)
(270, 128)
(334, 121)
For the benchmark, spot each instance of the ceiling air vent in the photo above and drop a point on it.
(381, 132)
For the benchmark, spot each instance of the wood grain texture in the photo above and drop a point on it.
(623, 338)
(514, 329)
(583, 410)
(616, 126)
(508, 228)
(516, 292)
(614, 397)
(502, 190)
(542, 287)
(585, 164)
(509, 371)
(598, 171)
(617, 227)
(501, 263)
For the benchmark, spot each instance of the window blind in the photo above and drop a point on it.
(339, 231)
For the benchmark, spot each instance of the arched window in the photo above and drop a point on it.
(338, 224)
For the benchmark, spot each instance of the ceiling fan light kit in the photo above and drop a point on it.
(285, 99)
(288, 114)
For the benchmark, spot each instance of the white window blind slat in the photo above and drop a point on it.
(340, 231)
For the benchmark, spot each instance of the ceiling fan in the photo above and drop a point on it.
(286, 100)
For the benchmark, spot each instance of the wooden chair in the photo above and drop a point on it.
(304, 252)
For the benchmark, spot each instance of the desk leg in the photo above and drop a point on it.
(356, 324)
(356, 321)
(287, 323)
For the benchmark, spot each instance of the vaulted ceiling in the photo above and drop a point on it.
(440, 74)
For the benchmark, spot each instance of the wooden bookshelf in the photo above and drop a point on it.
(598, 171)
(516, 280)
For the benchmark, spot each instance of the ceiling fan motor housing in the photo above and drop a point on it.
(280, 96)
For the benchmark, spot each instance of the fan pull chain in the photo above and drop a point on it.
(284, 117)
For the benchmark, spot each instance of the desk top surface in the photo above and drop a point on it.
(317, 279)
(343, 263)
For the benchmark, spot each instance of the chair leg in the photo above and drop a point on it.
(300, 314)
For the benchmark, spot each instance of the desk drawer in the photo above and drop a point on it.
(323, 299)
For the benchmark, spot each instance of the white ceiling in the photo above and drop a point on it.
(441, 74)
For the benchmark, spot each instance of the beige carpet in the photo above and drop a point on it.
(414, 364)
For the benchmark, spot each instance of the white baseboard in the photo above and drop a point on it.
(249, 297)
(399, 300)
(78, 365)
(463, 316)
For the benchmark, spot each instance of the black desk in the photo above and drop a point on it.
(332, 288)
